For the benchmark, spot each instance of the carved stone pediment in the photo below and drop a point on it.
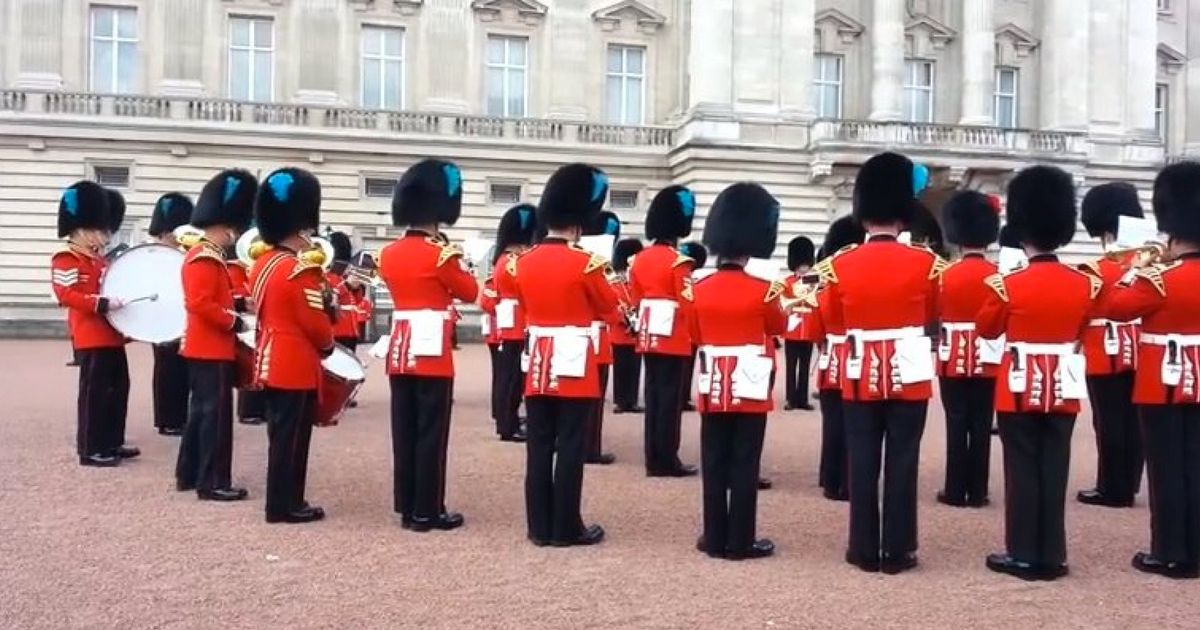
(1170, 60)
(1014, 43)
(647, 19)
(529, 12)
(847, 28)
(933, 31)
(403, 7)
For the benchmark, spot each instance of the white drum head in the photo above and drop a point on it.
(343, 364)
(148, 279)
(249, 337)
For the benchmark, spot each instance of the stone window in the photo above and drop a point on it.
(111, 175)
(625, 84)
(1004, 98)
(507, 76)
(828, 75)
(252, 59)
(379, 187)
(623, 199)
(113, 50)
(918, 90)
(1162, 110)
(504, 193)
(382, 85)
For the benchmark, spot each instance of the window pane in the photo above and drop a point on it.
(820, 71)
(127, 23)
(102, 67)
(241, 32)
(614, 59)
(1004, 111)
(634, 60)
(102, 22)
(829, 105)
(613, 99)
(370, 44)
(926, 74)
(495, 50)
(263, 36)
(127, 67)
(393, 85)
(516, 52)
(1008, 83)
(262, 76)
(495, 92)
(370, 83)
(633, 102)
(239, 75)
(516, 93)
(924, 107)
(393, 42)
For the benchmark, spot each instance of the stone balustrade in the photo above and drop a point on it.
(909, 136)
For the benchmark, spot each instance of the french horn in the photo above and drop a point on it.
(250, 246)
(187, 236)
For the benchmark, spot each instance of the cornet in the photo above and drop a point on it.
(1147, 254)
(187, 236)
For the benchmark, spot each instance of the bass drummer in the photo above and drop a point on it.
(223, 211)
(171, 211)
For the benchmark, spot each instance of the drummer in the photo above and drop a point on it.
(171, 211)
(84, 218)
(223, 211)
(345, 329)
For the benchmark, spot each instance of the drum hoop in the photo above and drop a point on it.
(124, 254)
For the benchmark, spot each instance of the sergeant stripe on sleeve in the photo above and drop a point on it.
(314, 299)
(66, 277)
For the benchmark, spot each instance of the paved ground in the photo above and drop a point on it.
(89, 548)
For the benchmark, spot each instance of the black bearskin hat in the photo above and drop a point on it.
(696, 251)
(886, 189)
(227, 199)
(116, 209)
(607, 222)
(1103, 205)
(289, 201)
(517, 227)
(170, 211)
(844, 231)
(1041, 207)
(743, 221)
(573, 196)
(1009, 238)
(430, 191)
(83, 206)
(1177, 201)
(671, 213)
(625, 249)
(342, 248)
(800, 252)
(972, 219)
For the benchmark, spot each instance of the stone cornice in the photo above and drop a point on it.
(847, 27)
(648, 20)
(1023, 42)
(939, 34)
(530, 12)
(1170, 60)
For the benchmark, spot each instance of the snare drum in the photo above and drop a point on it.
(343, 375)
(243, 354)
(148, 279)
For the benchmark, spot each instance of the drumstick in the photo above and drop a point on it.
(153, 297)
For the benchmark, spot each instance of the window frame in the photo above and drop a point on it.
(616, 192)
(114, 41)
(1015, 95)
(819, 83)
(1162, 110)
(506, 183)
(368, 177)
(383, 58)
(910, 89)
(624, 76)
(252, 49)
(506, 67)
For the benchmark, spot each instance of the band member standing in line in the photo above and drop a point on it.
(1041, 309)
(797, 350)
(223, 210)
(1167, 391)
(967, 363)
(889, 364)
(606, 223)
(250, 406)
(1111, 351)
(345, 329)
(563, 289)
(736, 319)
(295, 331)
(627, 363)
(424, 275)
(661, 280)
(514, 236)
(699, 255)
(170, 370)
(85, 220)
(491, 337)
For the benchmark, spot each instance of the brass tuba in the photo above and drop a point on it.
(187, 236)
(320, 253)
(250, 246)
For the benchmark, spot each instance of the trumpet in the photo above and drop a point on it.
(187, 236)
(1142, 255)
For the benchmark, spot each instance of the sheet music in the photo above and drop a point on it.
(1134, 232)
(599, 244)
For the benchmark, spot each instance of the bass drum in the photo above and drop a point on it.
(343, 375)
(148, 279)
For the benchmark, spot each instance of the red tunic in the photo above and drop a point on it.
(294, 330)
(75, 273)
(799, 312)
(238, 278)
(735, 310)
(963, 293)
(881, 291)
(563, 289)
(660, 272)
(346, 326)
(1110, 347)
(208, 298)
(424, 276)
(1167, 300)
(621, 335)
(487, 319)
(1046, 303)
(831, 338)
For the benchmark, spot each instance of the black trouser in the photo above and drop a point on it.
(627, 376)
(351, 343)
(103, 400)
(170, 387)
(510, 385)
(832, 469)
(206, 450)
(1118, 437)
(251, 404)
(494, 355)
(595, 428)
(420, 431)
(969, 404)
(554, 455)
(730, 452)
(797, 355)
(1037, 459)
(689, 369)
(1173, 467)
(664, 398)
(869, 426)
(290, 415)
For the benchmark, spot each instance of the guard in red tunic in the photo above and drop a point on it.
(606, 223)
(345, 329)
(250, 406)
(295, 332)
(797, 349)
(563, 289)
(831, 342)
(1041, 309)
(661, 281)
(1111, 351)
(224, 210)
(699, 255)
(424, 275)
(627, 363)
(1167, 389)
(514, 235)
(491, 337)
(736, 318)
(967, 363)
(884, 293)
(85, 220)
(170, 370)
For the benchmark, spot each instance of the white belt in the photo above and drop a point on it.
(658, 302)
(1043, 349)
(1183, 341)
(958, 326)
(732, 351)
(418, 314)
(1099, 323)
(887, 334)
(835, 340)
(538, 332)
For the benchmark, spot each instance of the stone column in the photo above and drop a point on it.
(1190, 83)
(316, 29)
(1141, 67)
(183, 50)
(796, 60)
(978, 62)
(40, 48)
(448, 23)
(710, 57)
(756, 43)
(1064, 92)
(887, 55)
(569, 26)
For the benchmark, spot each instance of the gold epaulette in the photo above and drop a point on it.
(939, 266)
(774, 291)
(595, 261)
(680, 259)
(1092, 267)
(996, 283)
(70, 251)
(303, 266)
(1096, 286)
(1154, 275)
(209, 252)
(824, 268)
(448, 251)
(687, 293)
